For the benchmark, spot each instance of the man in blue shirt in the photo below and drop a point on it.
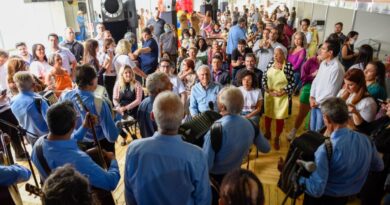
(236, 33)
(59, 147)
(148, 54)
(28, 107)
(235, 142)
(155, 83)
(106, 132)
(353, 156)
(163, 169)
(204, 92)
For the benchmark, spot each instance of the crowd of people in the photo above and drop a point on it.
(244, 65)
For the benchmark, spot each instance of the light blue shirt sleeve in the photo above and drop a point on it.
(97, 176)
(80, 133)
(262, 143)
(202, 186)
(193, 102)
(108, 125)
(208, 150)
(315, 185)
(13, 174)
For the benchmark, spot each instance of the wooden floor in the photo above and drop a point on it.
(265, 167)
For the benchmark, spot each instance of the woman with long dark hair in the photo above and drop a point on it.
(348, 56)
(365, 55)
(39, 67)
(91, 50)
(375, 79)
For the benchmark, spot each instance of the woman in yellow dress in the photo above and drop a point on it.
(278, 83)
(312, 47)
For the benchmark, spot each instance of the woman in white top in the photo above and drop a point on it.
(122, 58)
(361, 105)
(105, 57)
(253, 98)
(39, 67)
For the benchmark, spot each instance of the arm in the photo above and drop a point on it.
(300, 60)
(107, 123)
(115, 95)
(316, 183)
(262, 143)
(344, 53)
(257, 110)
(97, 176)
(202, 190)
(264, 81)
(193, 102)
(208, 150)
(13, 174)
(290, 78)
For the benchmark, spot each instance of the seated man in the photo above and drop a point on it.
(155, 83)
(217, 74)
(59, 147)
(204, 93)
(107, 133)
(232, 151)
(28, 107)
(163, 169)
(67, 186)
(353, 156)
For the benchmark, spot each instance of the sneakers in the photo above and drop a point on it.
(292, 134)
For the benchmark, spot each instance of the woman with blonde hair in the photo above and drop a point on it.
(127, 94)
(297, 56)
(58, 79)
(122, 58)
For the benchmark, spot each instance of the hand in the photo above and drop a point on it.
(352, 109)
(280, 93)
(313, 103)
(109, 155)
(7, 139)
(90, 117)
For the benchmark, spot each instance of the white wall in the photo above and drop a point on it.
(29, 22)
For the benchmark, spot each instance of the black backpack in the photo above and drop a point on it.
(302, 148)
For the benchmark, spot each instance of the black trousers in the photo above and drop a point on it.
(16, 142)
(325, 200)
(104, 143)
(109, 82)
(372, 191)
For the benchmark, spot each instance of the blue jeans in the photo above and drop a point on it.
(316, 120)
(297, 80)
(83, 34)
(255, 118)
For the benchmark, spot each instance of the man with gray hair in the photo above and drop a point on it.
(28, 107)
(238, 134)
(204, 93)
(176, 168)
(155, 83)
(353, 156)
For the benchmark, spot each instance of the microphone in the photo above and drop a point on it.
(308, 166)
(211, 105)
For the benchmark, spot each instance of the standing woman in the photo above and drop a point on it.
(348, 56)
(375, 80)
(39, 67)
(361, 106)
(253, 98)
(105, 57)
(308, 73)
(90, 57)
(278, 83)
(127, 94)
(58, 79)
(202, 47)
(297, 56)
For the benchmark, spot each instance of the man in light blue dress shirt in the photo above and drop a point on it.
(236, 33)
(163, 169)
(28, 107)
(60, 147)
(353, 156)
(204, 92)
(106, 132)
(238, 134)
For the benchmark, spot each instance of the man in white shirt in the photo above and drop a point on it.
(178, 86)
(23, 52)
(327, 82)
(68, 59)
(305, 23)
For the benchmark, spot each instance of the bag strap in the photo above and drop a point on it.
(216, 136)
(329, 148)
(41, 158)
